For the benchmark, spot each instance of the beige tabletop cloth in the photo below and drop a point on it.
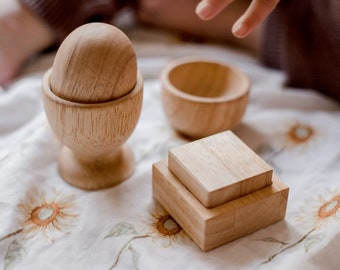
(296, 131)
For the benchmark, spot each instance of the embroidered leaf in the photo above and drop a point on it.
(314, 240)
(122, 228)
(14, 255)
(272, 240)
(135, 256)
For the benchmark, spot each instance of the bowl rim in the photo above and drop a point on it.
(167, 85)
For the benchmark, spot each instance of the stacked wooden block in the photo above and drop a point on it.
(218, 189)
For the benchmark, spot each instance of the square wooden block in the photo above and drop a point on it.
(213, 227)
(219, 168)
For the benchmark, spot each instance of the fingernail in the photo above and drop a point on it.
(239, 30)
(204, 10)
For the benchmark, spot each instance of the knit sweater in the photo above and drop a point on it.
(303, 38)
(63, 16)
(300, 37)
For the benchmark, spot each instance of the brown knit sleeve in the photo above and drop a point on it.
(65, 15)
(303, 38)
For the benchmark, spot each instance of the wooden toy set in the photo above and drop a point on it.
(216, 187)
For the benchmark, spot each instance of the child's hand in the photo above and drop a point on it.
(257, 11)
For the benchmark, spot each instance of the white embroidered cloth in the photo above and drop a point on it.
(47, 224)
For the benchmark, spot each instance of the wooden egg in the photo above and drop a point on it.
(202, 97)
(95, 63)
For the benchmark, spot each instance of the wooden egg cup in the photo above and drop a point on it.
(94, 155)
(202, 97)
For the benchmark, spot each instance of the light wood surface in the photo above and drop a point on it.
(95, 63)
(212, 227)
(202, 97)
(219, 168)
(93, 97)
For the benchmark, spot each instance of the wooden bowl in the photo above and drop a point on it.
(202, 97)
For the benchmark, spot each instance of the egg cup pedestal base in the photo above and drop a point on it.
(96, 173)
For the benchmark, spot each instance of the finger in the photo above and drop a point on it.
(254, 15)
(208, 9)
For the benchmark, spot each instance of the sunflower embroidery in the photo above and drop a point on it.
(48, 214)
(164, 227)
(299, 134)
(321, 211)
(317, 213)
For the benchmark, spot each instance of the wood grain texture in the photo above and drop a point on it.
(95, 134)
(202, 97)
(219, 168)
(212, 227)
(95, 63)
